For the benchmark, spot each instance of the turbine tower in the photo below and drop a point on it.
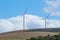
(46, 20)
(24, 19)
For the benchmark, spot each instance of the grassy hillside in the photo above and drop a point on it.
(23, 35)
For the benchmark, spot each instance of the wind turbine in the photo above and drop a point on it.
(46, 20)
(24, 19)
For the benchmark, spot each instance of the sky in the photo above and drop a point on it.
(11, 14)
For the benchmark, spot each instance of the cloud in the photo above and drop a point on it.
(31, 21)
(53, 23)
(6, 25)
(52, 7)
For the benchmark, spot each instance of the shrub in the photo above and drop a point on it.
(32, 38)
(27, 39)
(48, 37)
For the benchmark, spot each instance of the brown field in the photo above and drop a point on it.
(19, 35)
(25, 34)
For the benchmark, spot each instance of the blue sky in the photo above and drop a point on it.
(11, 8)
(11, 14)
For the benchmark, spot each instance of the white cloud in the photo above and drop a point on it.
(52, 7)
(53, 23)
(6, 25)
(32, 21)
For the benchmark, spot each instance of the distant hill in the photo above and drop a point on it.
(45, 30)
(36, 30)
(24, 34)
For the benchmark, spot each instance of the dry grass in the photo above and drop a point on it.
(24, 35)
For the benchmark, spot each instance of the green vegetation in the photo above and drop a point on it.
(48, 37)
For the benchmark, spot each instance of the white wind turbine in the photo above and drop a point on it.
(45, 19)
(24, 19)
